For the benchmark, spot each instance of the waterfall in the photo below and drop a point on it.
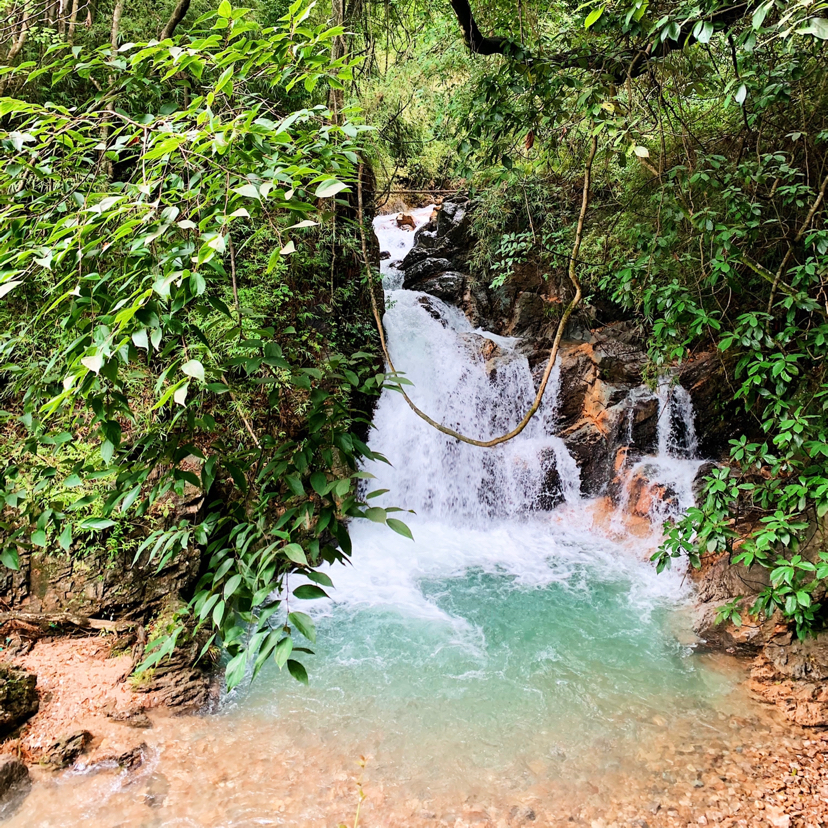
(476, 383)
(676, 421)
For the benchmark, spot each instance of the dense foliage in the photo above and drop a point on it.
(713, 129)
(160, 265)
(181, 290)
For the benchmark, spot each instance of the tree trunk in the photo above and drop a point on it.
(73, 22)
(113, 42)
(337, 96)
(14, 49)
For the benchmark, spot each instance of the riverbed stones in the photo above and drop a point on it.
(64, 751)
(18, 698)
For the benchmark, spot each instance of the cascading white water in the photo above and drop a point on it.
(437, 350)
(670, 473)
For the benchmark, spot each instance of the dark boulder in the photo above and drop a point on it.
(64, 751)
(426, 236)
(590, 449)
(643, 411)
(453, 221)
(449, 286)
(528, 315)
(18, 698)
(441, 249)
(423, 270)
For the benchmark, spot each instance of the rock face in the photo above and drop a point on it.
(436, 264)
(18, 698)
(603, 403)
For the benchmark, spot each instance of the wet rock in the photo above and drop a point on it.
(551, 494)
(589, 446)
(528, 314)
(453, 220)
(18, 698)
(15, 784)
(131, 718)
(428, 306)
(384, 254)
(404, 220)
(577, 376)
(647, 497)
(426, 236)
(643, 408)
(64, 751)
(449, 286)
(132, 759)
(618, 360)
(423, 270)
(719, 417)
(440, 249)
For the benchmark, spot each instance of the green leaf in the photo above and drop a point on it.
(234, 672)
(65, 539)
(297, 671)
(400, 528)
(319, 482)
(309, 592)
(594, 16)
(818, 27)
(10, 558)
(319, 578)
(376, 514)
(232, 585)
(96, 524)
(283, 650)
(224, 9)
(303, 623)
(39, 538)
(295, 553)
(193, 368)
(329, 188)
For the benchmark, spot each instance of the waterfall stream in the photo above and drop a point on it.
(508, 657)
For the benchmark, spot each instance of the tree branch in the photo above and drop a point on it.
(178, 13)
(619, 66)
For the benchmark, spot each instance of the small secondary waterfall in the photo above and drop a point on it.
(664, 481)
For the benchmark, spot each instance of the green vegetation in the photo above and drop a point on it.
(183, 311)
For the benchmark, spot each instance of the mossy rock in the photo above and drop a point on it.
(18, 698)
